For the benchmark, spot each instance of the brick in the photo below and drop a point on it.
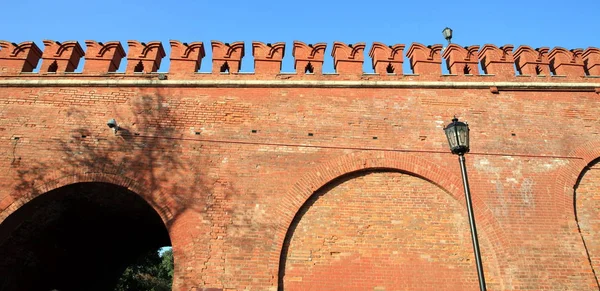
(462, 60)
(591, 60)
(425, 60)
(566, 63)
(186, 58)
(267, 57)
(387, 59)
(17, 58)
(308, 58)
(348, 58)
(60, 57)
(227, 58)
(532, 62)
(144, 57)
(103, 57)
(233, 169)
(497, 60)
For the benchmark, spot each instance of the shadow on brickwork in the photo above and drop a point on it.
(85, 228)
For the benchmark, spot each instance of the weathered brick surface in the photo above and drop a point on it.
(384, 230)
(228, 167)
(588, 216)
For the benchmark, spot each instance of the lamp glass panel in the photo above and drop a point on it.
(447, 32)
(463, 135)
(451, 135)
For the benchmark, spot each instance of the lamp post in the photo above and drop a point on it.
(447, 32)
(458, 138)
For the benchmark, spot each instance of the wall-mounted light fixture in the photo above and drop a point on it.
(112, 124)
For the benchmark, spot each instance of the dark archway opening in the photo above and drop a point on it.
(77, 237)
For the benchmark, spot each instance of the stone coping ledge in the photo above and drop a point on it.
(568, 86)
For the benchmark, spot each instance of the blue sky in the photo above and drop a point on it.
(535, 23)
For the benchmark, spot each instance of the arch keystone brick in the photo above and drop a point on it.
(348, 59)
(425, 60)
(186, 58)
(565, 62)
(533, 62)
(267, 57)
(227, 57)
(462, 60)
(144, 57)
(103, 57)
(387, 59)
(591, 61)
(497, 61)
(308, 58)
(61, 57)
(17, 58)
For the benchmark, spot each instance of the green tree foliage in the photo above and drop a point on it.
(152, 272)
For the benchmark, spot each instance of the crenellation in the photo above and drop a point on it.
(348, 58)
(60, 57)
(566, 62)
(462, 60)
(186, 58)
(103, 57)
(272, 181)
(532, 62)
(425, 60)
(144, 58)
(591, 61)
(267, 57)
(227, 58)
(498, 61)
(308, 58)
(387, 59)
(17, 58)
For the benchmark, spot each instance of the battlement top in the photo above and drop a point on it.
(102, 60)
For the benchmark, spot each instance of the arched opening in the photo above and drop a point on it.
(309, 69)
(587, 213)
(467, 70)
(224, 68)
(139, 68)
(381, 230)
(389, 69)
(77, 237)
(53, 67)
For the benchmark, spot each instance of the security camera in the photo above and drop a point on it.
(113, 125)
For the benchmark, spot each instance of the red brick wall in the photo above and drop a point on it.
(229, 165)
(382, 231)
(588, 216)
(232, 193)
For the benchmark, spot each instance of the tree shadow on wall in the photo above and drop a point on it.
(148, 148)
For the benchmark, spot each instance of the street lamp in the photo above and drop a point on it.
(447, 32)
(458, 138)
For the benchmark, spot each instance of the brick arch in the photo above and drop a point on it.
(568, 177)
(409, 163)
(158, 201)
